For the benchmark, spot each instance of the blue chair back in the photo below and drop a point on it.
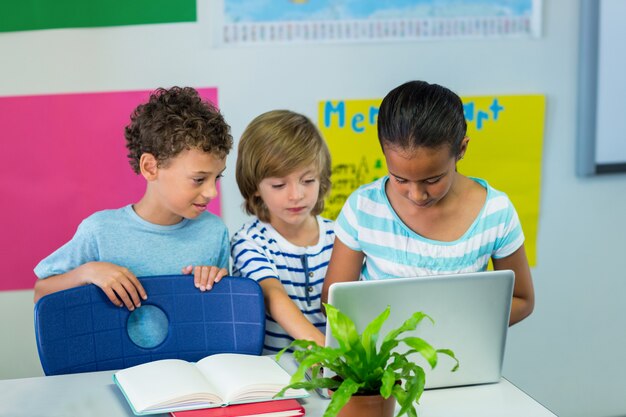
(80, 330)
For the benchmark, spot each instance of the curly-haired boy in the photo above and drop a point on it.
(178, 143)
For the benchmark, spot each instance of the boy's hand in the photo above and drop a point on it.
(205, 276)
(118, 283)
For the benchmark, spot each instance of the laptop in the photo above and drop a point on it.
(470, 310)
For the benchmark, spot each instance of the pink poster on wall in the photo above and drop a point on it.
(63, 158)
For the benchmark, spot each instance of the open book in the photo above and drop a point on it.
(217, 380)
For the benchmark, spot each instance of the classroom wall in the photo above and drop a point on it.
(567, 355)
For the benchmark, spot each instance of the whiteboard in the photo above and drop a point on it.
(602, 88)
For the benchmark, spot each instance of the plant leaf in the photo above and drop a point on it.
(390, 341)
(315, 371)
(450, 354)
(424, 348)
(298, 343)
(409, 324)
(344, 331)
(327, 357)
(342, 327)
(398, 361)
(310, 385)
(400, 395)
(418, 380)
(341, 396)
(413, 391)
(389, 380)
(370, 334)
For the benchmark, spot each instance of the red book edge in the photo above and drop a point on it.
(235, 410)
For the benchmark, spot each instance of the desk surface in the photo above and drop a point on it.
(94, 394)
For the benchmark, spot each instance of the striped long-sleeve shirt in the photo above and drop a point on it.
(368, 223)
(259, 252)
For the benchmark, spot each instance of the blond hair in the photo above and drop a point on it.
(275, 144)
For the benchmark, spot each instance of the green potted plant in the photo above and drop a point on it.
(363, 367)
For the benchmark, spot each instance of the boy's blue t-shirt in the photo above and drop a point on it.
(123, 238)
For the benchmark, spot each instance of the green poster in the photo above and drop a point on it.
(18, 15)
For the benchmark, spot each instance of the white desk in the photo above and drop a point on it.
(94, 394)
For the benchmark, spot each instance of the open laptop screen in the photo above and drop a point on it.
(470, 310)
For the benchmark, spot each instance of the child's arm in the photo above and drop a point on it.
(523, 293)
(118, 283)
(287, 314)
(345, 265)
(251, 260)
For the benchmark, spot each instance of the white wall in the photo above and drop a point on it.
(568, 354)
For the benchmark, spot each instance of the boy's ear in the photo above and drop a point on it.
(463, 148)
(148, 166)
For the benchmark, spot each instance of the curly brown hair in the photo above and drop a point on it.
(273, 145)
(172, 121)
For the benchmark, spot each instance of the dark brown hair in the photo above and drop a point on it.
(418, 114)
(172, 121)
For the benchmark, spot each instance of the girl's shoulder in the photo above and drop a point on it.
(372, 187)
(481, 185)
(497, 201)
(373, 191)
(491, 191)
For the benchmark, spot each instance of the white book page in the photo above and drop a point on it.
(240, 377)
(169, 381)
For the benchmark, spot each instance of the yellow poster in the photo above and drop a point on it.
(506, 137)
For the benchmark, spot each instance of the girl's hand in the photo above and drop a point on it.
(118, 283)
(205, 276)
